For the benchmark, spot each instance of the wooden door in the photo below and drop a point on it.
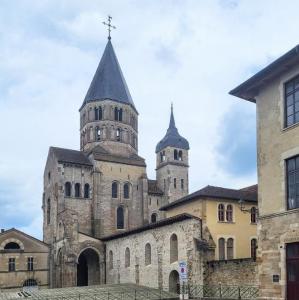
(292, 264)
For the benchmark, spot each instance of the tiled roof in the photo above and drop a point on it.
(164, 222)
(247, 194)
(153, 188)
(99, 153)
(108, 81)
(70, 156)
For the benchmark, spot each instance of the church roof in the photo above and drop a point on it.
(172, 137)
(70, 156)
(99, 153)
(246, 194)
(108, 81)
(161, 223)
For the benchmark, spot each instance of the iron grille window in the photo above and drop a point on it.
(292, 102)
(30, 263)
(11, 264)
(293, 182)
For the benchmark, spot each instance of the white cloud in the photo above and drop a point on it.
(189, 52)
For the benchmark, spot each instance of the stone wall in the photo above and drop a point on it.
(238, 272)
(156, 274)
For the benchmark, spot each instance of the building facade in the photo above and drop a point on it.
(231, 232)
(23, 261)
(275, 90)
(103, 189)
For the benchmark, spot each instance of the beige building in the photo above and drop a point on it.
(23, 261)
(275, 90)
(232, 231)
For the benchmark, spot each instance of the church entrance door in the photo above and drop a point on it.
(88, 268)
(174, 282)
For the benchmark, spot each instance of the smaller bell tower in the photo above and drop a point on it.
(172, 163)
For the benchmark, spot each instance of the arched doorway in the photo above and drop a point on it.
(88, 268)
(174, 282)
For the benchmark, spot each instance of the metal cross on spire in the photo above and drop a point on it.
(109, 26)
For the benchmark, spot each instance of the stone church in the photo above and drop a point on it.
(102, 192)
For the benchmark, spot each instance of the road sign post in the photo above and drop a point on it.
(183, 280)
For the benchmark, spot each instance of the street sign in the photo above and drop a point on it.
(183, 271)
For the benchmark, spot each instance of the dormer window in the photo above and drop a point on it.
(292, 102)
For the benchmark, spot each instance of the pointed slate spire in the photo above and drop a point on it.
(108, 81)
(172, 137)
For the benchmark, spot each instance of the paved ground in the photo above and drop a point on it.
(101, 292)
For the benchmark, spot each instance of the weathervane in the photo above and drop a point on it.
(109, 26)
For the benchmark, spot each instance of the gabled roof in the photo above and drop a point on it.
(247, 194)
(108, 81)
(99, 153)
(172, 137)
(70, 156)
(153, 188)
(164, 222)
(24, 234)
(249, 88)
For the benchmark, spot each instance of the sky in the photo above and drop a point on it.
(189, 52)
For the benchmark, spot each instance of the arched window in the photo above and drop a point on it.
(30, 283)
(110, 260)
(148, 254)
(127, 258)
(120, 218)
(86, 190)
(100, 113)
(180, 155)
(120, 114)
(96, 113)
(114, 190)
(221, 248)
(173, 248)
(118, 134)
(182, 184)
(153, 218)
(230, 248)
(77, 190)
(98, 134)
(162, 156)
(253, 248)
(116, 114)
(253, 214)
(67, 189)
(229, 213)
(126, 191)
(48, 211)
(12, 246)
(221, 212)
(175, 154)
(174, 183)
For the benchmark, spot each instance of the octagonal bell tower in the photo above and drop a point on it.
(108, 116)
(172, 163)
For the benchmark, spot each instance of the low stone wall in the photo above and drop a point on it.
(236, 272)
